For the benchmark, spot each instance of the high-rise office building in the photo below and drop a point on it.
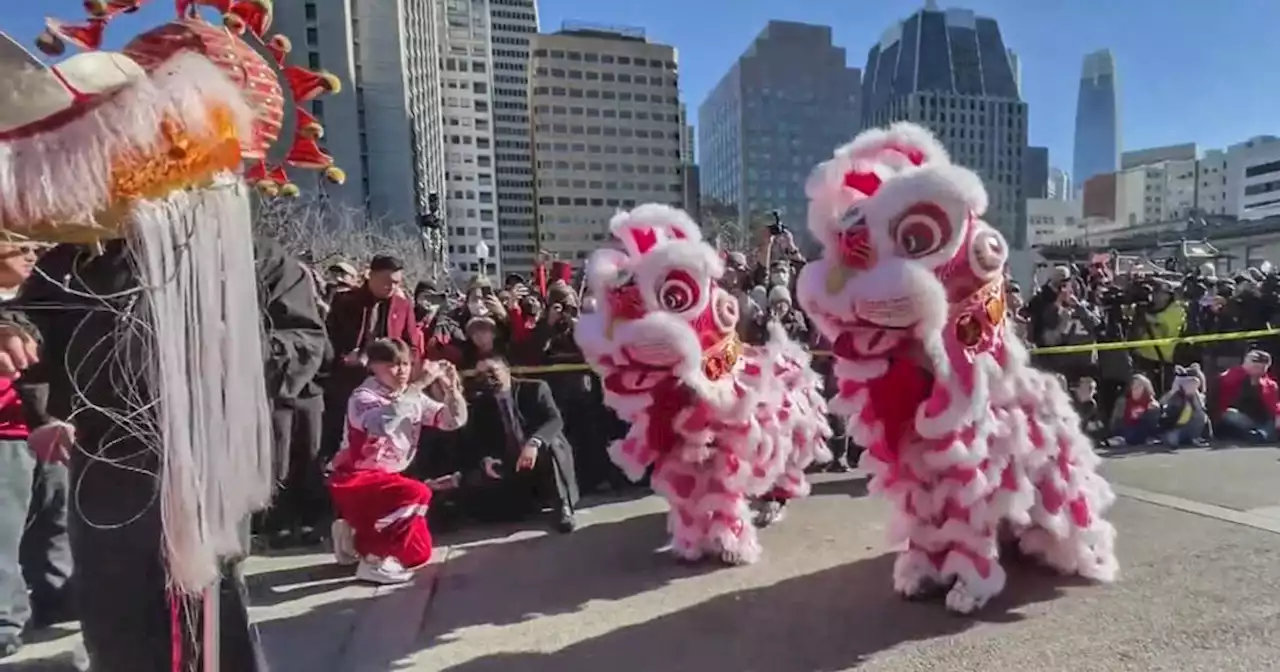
(606, 131)
(1059, 188)
(468, 100)
(780, 110)
(1097, 141)
(435, 102)
(513, 24)
(1015, 64)
(1035, 172)
(385, 126)
(692, 174)
(949, 70)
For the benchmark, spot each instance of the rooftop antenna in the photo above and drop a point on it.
(930, 5)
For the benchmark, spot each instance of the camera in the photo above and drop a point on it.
(776, 228)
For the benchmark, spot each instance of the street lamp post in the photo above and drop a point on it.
(482, 253)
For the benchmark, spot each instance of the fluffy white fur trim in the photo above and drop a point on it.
(664, 221)
(869, 152)
(64, 175)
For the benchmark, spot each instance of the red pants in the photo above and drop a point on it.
(388, 514)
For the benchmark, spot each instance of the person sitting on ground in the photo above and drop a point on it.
(524, 462)
(1248, 400)
(381, 522)
(1084, 399)
(1184, 417)
(1136, 418)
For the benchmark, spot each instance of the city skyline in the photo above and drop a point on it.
(1050, 41)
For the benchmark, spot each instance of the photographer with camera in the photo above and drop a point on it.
(1157, 314)
(1068, 321)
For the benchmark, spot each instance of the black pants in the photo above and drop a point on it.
(35, 552)
(126, 612)
(302, 498)
(551, 483)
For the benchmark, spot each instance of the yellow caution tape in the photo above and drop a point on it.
(1125, 345)
(1054, 350)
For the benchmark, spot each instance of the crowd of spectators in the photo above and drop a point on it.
(525, 324)
(1174, 393)
(499, 363)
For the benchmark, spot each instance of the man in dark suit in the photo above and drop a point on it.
(522, 462)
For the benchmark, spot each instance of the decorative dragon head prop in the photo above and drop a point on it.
(906, 256)
(247, 53)
(660, 316)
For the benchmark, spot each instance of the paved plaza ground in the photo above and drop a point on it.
(1200, 591)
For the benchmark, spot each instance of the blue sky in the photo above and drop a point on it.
(1190, 70)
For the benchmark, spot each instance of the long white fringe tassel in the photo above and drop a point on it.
(194, 254)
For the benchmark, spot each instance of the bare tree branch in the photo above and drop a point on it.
(325, 233)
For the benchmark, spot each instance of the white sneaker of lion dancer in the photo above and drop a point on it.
(344, 543)
(384, 571)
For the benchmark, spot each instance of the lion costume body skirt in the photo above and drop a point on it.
(715, 423)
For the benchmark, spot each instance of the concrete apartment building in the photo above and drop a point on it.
(607, 132)
(1164, 184)
(949, 70)
(1253, 178)
(1185, 151)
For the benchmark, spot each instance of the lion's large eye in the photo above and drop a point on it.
(921, 231)
(679, 291)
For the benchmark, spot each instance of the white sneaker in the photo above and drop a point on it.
(80, 657)
(344, 543)
(384, 571)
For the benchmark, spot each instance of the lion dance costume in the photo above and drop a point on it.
(717, 423)
(142, 160)
(966, 440)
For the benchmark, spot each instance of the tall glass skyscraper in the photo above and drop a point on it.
(1097, 144)
(779, 111)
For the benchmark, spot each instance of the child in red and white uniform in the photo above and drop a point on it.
(381, 512)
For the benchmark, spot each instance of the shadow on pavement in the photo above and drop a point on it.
(823, 622)
(1121, 452)
(853, 487)
(499, 584)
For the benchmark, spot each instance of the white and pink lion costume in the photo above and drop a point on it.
(966, 440)
(717, 422)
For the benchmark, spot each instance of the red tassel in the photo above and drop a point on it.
(87, 37)
(540, 278)
(254, 14)
(175, 631)
(306, 153)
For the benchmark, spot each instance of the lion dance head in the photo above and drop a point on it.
(661, 320)
(907, 259)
